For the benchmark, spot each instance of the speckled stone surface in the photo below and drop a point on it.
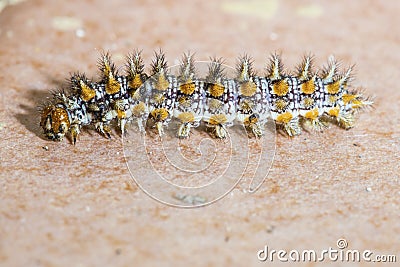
(78, 205)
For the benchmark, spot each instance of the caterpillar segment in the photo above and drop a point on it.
(162, 88)
(220, 103)
(283, 97)
(252, 100)
(134, 69)
(189, 106)
(335, 87)
(91, 96)
(307, 98)
(137, 92)
(311, 95)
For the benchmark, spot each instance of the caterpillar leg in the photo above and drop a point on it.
(218, 122)
(104, 129)
(75, 131)
(312, 119)
(252, 123)
(315, 124)
(256, 129)
(187, 120)
(290, 123)
(140, 112)
(121, 110)
(184, 130)
(346, 120)
(160, 116)
(122, 124)
(141, 126)
(160, 128)
(292, 127)
(219, 131)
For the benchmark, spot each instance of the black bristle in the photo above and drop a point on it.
(216, 70)
(187, 69)
(159, 64)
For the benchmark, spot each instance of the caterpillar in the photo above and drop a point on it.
(304, 98)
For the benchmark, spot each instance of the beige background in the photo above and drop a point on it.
(78, 206)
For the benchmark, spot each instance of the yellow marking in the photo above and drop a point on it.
(107, 129)
(215, 104)
(332, 99)
(185, 117)
(87, 93)
(250, 120)
(138, 109)
(159, 114)
(357, 103)
(121, 114)
(216, 90)
(333, 88)
(93, 107)
(118, 105)
(217, 119)
(159, 98)
(59, 116)
(46, 111)
(136, 82)
(312, 114)
(184, 101)
(162, 83)
(246, 106)
(112, 85)
(246, 121)
(308, 102)
(253, 119)
(107, 67)
(334, 112)
(136, 95)
(348, 98)
(281, 104)
(187, 88)
(248, 88)
(308, 87)
(281, 88)
(284, 117)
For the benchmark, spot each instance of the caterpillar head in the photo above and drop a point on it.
(55, 122)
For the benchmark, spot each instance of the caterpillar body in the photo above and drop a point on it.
(306, 98)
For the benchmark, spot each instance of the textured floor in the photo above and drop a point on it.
(65, 205)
